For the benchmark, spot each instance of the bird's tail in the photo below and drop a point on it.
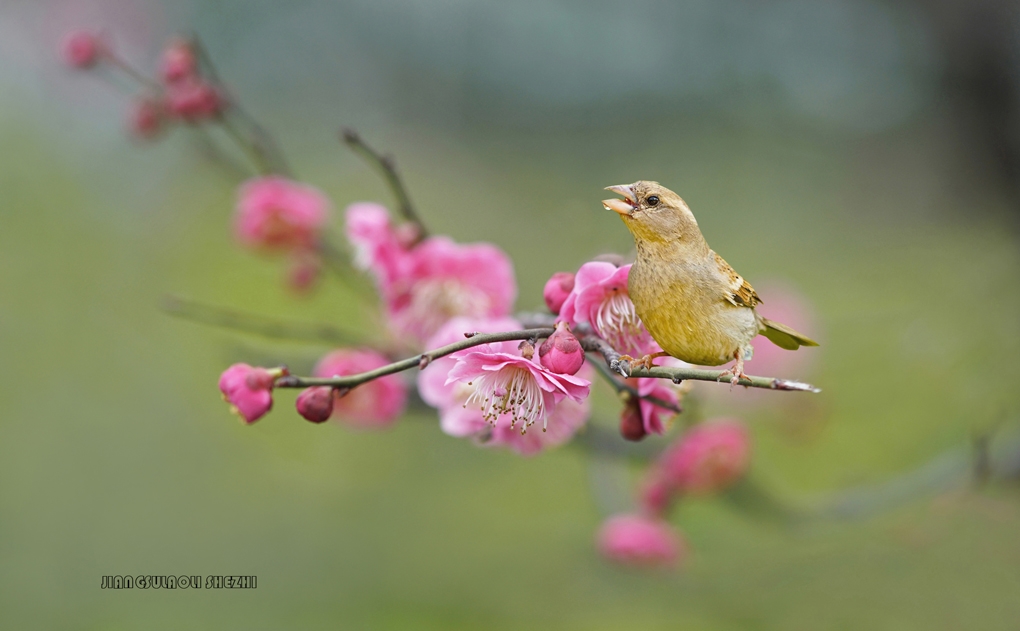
(783, 336)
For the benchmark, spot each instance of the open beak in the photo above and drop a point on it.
(623, 206)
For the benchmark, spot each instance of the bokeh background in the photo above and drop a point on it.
(860, 154)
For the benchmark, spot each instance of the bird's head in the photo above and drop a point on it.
(653, 213)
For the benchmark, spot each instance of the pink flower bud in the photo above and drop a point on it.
(556, 290)
(194, 100)
(561, 352)
(249, 390)
(708, 458)
(632, 427)
(177, 62)
(147, 118)
(640, 541)
(316, 404)
(81, 49)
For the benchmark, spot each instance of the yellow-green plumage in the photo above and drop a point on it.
(696, 307)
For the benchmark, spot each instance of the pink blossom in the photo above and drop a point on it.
(177, 61)
(784, 304)
(708, 458)
(147, 117)
(315, 404)
(425, 284)
(654, 417)
(81, 49)
(378, 245)
(274, 213)
(640, 541)
(375, 404)
(508, 384)
(194, 100)
(561, 352)
(249, 390)
(600, 299)
(656, 494)
(556, 290)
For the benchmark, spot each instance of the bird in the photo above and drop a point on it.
(695, 306)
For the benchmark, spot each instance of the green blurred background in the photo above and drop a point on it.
(864, 153)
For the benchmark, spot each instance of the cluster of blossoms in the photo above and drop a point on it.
(519, 385)
(180, 93)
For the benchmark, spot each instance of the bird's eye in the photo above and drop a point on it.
(652, 200)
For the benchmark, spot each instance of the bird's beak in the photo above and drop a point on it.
(623, 206)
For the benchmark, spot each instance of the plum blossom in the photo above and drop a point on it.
(505, 383)
(277, 214)
(178, 61)
(376, 404)
(146, 118)
(315, 404)
(194, 100)
(640, 541)
(424, 284)
(249, 390)
(708, 458)
(460, 419)
(600, 299)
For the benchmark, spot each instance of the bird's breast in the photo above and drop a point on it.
(683, 307)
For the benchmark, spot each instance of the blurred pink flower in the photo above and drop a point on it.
(656, 494)
(146, 118)
(376, 404)
(303, 272)
(194, 100)
(561, 352)
(556, 290)
(784, 304)
(274, 213)
(654, 417)
(249, 390)
(640, 541)
(177, 61)
(81, 49)
(425, 284)
(505, 383)
(707, 458)
(600, 299)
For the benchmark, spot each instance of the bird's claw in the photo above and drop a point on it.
(735, 375)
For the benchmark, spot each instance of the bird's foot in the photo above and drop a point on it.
(645, 362)
(735, 374)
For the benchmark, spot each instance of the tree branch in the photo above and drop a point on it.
(612, 356)
(388, 167)
(257, 324)
(620, 386)
(420, 361)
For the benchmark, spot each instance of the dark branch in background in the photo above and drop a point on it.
(419, 361)
(388, 168)
(338, 261)
(612, 356)
(260, 143)
(257, 324)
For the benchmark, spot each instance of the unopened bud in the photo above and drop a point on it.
(147, 116)
(177, 62)
(561, 352)
(316, 404)
(81, 49)
(556, 290)
(631, 425)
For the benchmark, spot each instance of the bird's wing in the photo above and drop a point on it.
(738, 291)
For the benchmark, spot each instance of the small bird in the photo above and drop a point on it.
(692, 302)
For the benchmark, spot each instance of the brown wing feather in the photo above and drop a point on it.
(739, 291)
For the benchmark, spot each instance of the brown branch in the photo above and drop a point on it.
(619, 386)
(419, 361)
(257, 324)
(388, 167)
(621, 367)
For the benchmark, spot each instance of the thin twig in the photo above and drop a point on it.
(120, 64)
(621, 367)
(257, 324)
(388, 167)
(620, 386)
(419, 361)
(261, 142)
